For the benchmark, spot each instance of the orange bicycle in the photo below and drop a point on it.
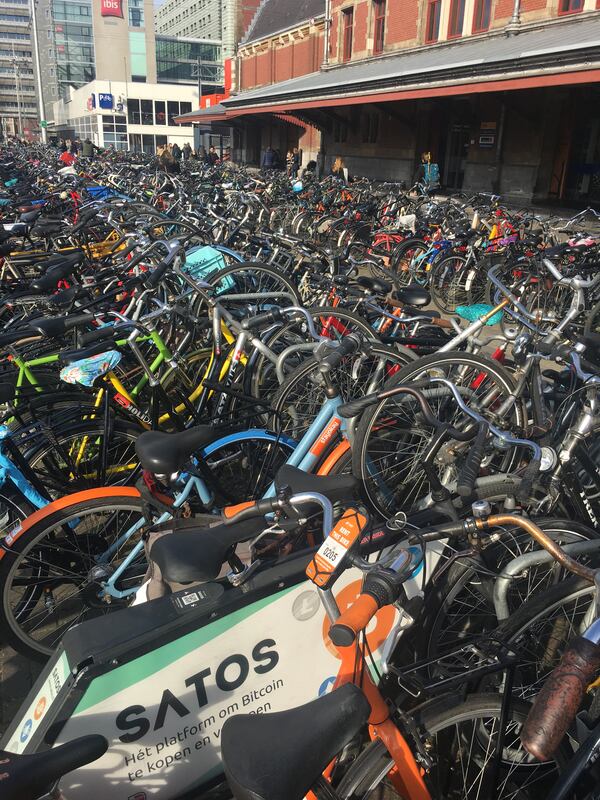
(355, 743)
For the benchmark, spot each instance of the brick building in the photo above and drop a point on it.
(503, 92)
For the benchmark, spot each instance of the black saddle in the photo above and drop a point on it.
(71, 356)
(337, 488)
(280, 756)
(165, 453)
(51, 277)
(374, 284)
(27, 777)
(189, 556)
(58, 326)
(413, 296)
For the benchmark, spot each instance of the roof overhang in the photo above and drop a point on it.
(563, 54)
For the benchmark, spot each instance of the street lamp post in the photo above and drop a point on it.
(17, 69)
(38, 70)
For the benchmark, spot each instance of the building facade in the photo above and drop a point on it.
(18, 104)
(504, 93)
(80, 41)
(222, 20)
(127, 116)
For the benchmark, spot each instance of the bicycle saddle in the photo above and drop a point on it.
(71, 356)
(185, 556)
(279, 756)
(374, 284)
(413, 296)
(335, 487)
(49, 280)
(164, 453)
(58, 326)
(27, 777)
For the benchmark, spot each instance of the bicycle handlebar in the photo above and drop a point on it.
(382, 587)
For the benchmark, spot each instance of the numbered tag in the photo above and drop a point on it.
(329, 558)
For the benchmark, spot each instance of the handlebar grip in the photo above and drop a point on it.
(349, 345)
(355, 407)
(156, 275)
(250, 511)
(262, 319)
(470, 469)
(344, 632)
(531, 472)
(106, 332)
(557, 703)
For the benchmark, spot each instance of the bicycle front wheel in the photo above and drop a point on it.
(461, 739)
(52, 570)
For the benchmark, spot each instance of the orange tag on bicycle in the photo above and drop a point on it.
(329, 558)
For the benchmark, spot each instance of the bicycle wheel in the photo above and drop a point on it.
(462, 608)
(74, 457)
(244, 465)
(303, 394)
(461, 739)
(541, 629)
(253, 278)
(51, 571)
(391, 437)
(446, 283)
(406, 258)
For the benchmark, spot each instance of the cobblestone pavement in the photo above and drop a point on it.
(17, 676)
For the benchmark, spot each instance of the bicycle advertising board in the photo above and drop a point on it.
(162, 705)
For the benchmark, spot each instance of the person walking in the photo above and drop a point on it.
(288, 162)
(176, 152)
(168, 162)
(187, 151)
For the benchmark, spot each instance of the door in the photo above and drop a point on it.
(456, 155)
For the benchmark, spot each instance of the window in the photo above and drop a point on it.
(482, 15)
(457, 18)
(133, 112)
(136, 13)
(172, 111)
(570, 6)
(340, 131)
(159, 113)
(347, 26)
(379, 25)
(432, 28)
(146, 112)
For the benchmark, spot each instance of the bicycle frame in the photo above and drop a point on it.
(305, 455)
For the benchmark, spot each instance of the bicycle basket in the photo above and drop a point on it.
(202, 261)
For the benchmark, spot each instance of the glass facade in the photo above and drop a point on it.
(157, 112)
(177, 62)
(137, 55)
(114, 130)
(75, 64)
(136, 13)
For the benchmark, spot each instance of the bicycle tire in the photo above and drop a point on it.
(439, 625)
(385, 494)
(367, 777)
(50, 523)
(244, 277)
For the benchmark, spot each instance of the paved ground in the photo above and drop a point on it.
(17, 676)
